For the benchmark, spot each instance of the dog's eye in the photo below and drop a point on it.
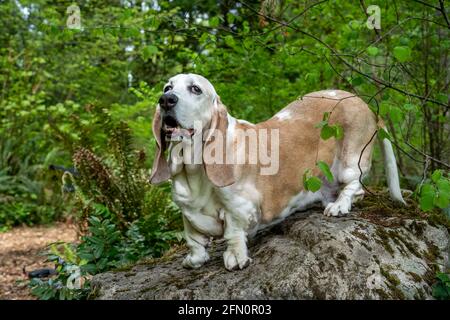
(168, 88)
(196, 89)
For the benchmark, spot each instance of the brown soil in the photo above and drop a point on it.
(23, 247)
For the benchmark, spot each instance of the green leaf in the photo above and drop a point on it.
(409, 107)
(323, 166)
(402, 53)
(404, 41)
(442, 201)
(132, 32)
(214, 22)
(443, 186)
(372, 51)
(327, 132)
(152, 23)
(427, 189)
(338, 131)
(440, 291)
(396, 115)
(426, 202)
(229, 40)
(230, 18)
(384, 108)
(98, 251)
(313, 184)
(356, 81)
(443, 277)
(436, 176)
(149, 51)
(427, 194)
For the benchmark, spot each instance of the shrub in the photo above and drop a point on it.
(123, 218)
(28, 193)
(441, 289)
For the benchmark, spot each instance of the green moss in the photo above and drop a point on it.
(360, 235)
(415, 277)
(376, 207)
(391, 278)
(432, 254)
(129, 274)
(392, 283)
(383, 239)
(123, 268)
(417, 227)
(430, 276)
(401, 240)
(144, 290)
(382, 294)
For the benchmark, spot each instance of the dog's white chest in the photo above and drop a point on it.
(193, 193)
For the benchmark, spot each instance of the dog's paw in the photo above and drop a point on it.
(194, 261)
(338, 208)
(234, 260)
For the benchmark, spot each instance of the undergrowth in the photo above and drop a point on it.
(121, 216)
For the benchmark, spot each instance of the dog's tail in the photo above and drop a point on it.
(391, 171)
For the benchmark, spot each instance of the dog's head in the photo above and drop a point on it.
(189, 99)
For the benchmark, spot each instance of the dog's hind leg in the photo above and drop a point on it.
(347, 173)
(352, 187)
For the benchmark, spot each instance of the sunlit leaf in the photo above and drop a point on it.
(372, 51)
(402, 53)
(323, 166)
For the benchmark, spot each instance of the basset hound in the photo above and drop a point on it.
(231, 178)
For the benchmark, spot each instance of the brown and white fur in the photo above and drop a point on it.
(234, 201)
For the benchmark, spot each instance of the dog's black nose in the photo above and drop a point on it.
(168, 100)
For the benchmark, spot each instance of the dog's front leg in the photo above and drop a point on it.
(196, 242)
(236, 254)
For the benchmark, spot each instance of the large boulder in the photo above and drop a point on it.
(308, 256)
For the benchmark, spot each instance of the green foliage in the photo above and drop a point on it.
(327, 131)
(104, 247)
(310, 182)
(127, 218)
(323, 166)
(372, 51)
(402, 53)
(435, 192)
(314, 183)
(28, 195)
(441, 289)
(70, 282)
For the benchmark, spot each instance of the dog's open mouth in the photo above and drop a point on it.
(174, 130)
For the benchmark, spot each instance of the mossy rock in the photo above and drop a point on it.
(308, 256)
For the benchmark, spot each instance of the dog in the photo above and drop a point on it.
(234, 200)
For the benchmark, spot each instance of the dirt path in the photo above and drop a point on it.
(22, 247)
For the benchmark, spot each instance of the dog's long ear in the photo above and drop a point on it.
(160, 171)
(220, 174)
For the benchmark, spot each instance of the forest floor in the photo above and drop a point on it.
(23, 247)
